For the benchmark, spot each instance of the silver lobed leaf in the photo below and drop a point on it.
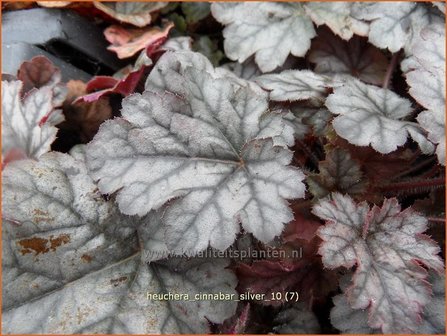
(368, 115)
(426, 77)
(394, 25)
(73, 264)
(28, 124)
(269, 30)
(388, 248)
(337, 16)
(201, 144)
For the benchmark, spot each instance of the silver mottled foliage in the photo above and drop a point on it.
(73, 264)
(434, 312)
(178, 43)
(204, 143)
(349, 320)
(293, 85)
(355, 321)
(28, 124)
(269, 30)
(337, 16)
(368, 115)
(426, 78)
(395, 25)
(384, 244)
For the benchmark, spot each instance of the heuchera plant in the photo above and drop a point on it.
(307, 127)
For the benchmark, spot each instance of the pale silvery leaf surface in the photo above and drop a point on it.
(337, 16)
(201, 140)
(429, 46)
(269, 30)
(368, 115)
(346, 319)
(434, 312)
(355, 321)
(388, 248)
(152, 238)
(294, 85)
(349, 320)
(297, 320)
(28, 123)
(335, 57)
(301, 129)
(426, 78)
(172, 74)
(394, 25)
(434, 123)
(178, 43)
(73, 264)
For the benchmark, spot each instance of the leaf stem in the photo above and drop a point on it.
(415, 168)
(436, 219)
(390, 69)
(414, 187)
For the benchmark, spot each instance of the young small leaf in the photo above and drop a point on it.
(28, 123)
(40, 72)
(335, 57)
(209, 48)
(127, 42)
(388, 248)
(338, 172)
(310, 120)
